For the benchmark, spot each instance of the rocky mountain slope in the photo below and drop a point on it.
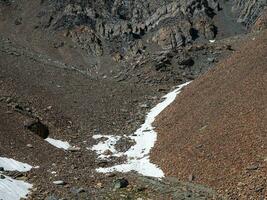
(248, 11)
(144, 36)
(215, 132)
(70, 70)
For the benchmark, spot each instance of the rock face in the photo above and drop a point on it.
(109, 35)
(248, 11)
(122, 26)
(93, 25)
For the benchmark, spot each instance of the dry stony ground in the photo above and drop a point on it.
(40, 80)
(216, 130)
(74, 108)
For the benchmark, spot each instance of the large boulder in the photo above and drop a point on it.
(169, 37)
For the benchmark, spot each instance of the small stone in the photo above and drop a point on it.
(75, 190)
(29, 145)
(59, 182)
(2, 169)
(211, 60)
(141, 188)
(199, 146)
(74, 149)
(191, 178)
(259, 189)
(8, 100)
(144, 106)
(240, 184)
(203, 127)
(111, 175)
(228, 47)
(28, 109)
(107, 152)
(102, 163)
(58, 44)
(48, 108)
(186, 61)
(124, 110)
(188, 194)
(2, 176)
(22, 178)
(74, 167)
(18, 21)
(161, 89)
(121, 183)
(117, 57)
(51, 198)
(99, 185)
(252, 167)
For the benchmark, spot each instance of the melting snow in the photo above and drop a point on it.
(108, 145)
(145, 138)
(58, 143)
(12, 165)
(11, 189)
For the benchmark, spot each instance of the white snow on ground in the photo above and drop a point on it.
(58, 143)
(107, 145)
(145, 138)
(142, 166)
(11, 189)
(12, 165)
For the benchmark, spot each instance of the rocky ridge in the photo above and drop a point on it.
(248, 11)
(142, 35)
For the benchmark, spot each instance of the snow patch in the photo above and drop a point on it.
(144, 137)
(11, 189)
(142, 166)
(58, 143)
(108, 145)
(12, 165)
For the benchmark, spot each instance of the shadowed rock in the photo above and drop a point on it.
(37, 127)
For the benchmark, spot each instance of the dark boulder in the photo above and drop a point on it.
(37, 127)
